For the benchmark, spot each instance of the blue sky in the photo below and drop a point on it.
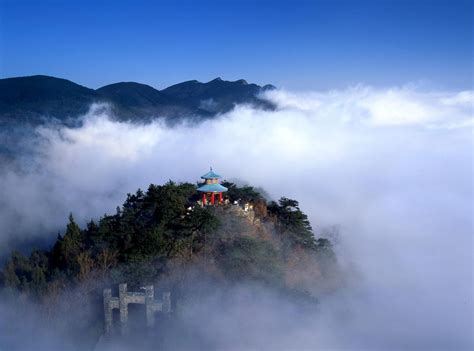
(292, 44)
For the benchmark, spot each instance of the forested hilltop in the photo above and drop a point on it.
(162, 236)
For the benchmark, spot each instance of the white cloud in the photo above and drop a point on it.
(389, 107)
(462, 98)
(393, 167)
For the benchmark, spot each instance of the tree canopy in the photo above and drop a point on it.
(155, 226)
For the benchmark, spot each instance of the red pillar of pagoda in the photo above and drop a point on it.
(212, 198)
(204, 200)
(220, 198)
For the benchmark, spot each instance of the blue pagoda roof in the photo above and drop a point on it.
(212, 188)
(211, 175)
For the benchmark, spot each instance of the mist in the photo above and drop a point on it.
(391, 168)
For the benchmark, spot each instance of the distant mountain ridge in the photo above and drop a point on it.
(34, 99)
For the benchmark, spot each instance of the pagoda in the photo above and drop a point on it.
(211, 187)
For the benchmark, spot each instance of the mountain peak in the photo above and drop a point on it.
(32, 98)
(268, 87)
(131, 84)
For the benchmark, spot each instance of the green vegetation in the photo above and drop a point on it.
(161, 237)
(244, 194)
(293, 222)
(249, 259)
(153, 229)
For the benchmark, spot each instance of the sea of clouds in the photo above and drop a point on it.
(392, 168)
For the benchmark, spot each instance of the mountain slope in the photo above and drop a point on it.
(133, 94)
(217, 96)
(270, 243)
(34, 99)
(201, 255)
(135, 101)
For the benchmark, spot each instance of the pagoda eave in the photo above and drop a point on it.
(212, 188)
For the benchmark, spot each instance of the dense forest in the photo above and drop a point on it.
(162, 236)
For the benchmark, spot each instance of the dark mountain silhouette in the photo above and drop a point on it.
(37, 98)
(217, 96)
(34, 99)
(131, 101)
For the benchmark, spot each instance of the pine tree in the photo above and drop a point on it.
(67, 248)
